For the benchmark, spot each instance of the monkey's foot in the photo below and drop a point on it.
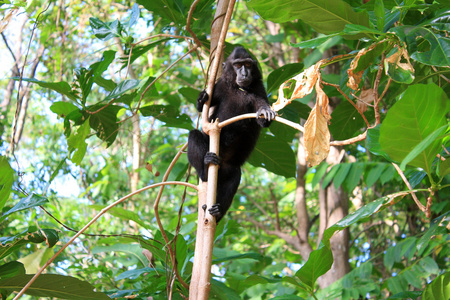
(211, 158)
(215, 211)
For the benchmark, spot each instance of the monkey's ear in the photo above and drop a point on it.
(223, 65)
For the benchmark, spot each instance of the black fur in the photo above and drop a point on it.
(238, 91)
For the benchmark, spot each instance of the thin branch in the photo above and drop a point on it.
(188, 23)
(253, 115)
(352, 140)
(158, 219)
(101, 213)
(348, 99)
(375, 90)
(400, 172)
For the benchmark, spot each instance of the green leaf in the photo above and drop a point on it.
(122, 88)
(313, 43)
(341, 174)
(122, 214)
(62, 108)
(104, 122)
(138, 51)
(190, 94)
(11, 269)
(102, 65)
(355, 29)
(436, 227)
(330, 175)
(10, 244)
(345, 121)
(374, 173)
(440, 21)
(280, 75)
(373, 144)
(134, 16)
(166, 9)
(425, 46)
(105, 31)
(431, 138)
(132, 250)
(322, 15)
(420, 111)
(319, 262)
(49, 236)
(77, 142)
(407, 295)
(136, 273)
(53, 285)
(438, 289)
(61, 87)
(359, 215)
(274, 155)
(320, 172)
(32, 200)
(380, 13)
(6, 180)
(168, 114)
(413, 278)
(354, 176)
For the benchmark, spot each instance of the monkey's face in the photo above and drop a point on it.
(243, 69)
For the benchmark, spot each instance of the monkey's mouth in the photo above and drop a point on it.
(244, 82)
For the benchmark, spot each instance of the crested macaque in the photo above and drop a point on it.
(239, 90)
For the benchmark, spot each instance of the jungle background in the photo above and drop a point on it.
(97, 98)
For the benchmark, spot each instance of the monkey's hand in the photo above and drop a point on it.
(268, 115)
(215, 212)
(212, 158)
(202, 98)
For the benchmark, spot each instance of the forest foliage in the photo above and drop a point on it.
(109, 73)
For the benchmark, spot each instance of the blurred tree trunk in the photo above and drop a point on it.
(136, 133)
(24, 98)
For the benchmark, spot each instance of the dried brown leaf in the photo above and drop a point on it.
(396, 59)
(366, 97)
(355, 78)
(304, 84)
(317, 135)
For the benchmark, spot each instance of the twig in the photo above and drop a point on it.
(253, 115)
(158, 219)
(352, 140)
(375, 90)
(101, 213)
(400, 172)
(348, 99)
(188, 23)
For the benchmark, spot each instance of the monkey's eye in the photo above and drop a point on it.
(238, 65)
(248, 65)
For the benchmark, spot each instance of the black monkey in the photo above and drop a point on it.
(238, 91)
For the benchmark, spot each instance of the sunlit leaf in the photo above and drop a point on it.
(420, 111)
(6, 180)
(438, 289)
(322, 15)
(53, 285)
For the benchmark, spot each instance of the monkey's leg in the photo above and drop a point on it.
(198, 144)
(227, 185)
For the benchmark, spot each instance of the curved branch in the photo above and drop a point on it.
(253, 115)
(158, 219)
(101, 213)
